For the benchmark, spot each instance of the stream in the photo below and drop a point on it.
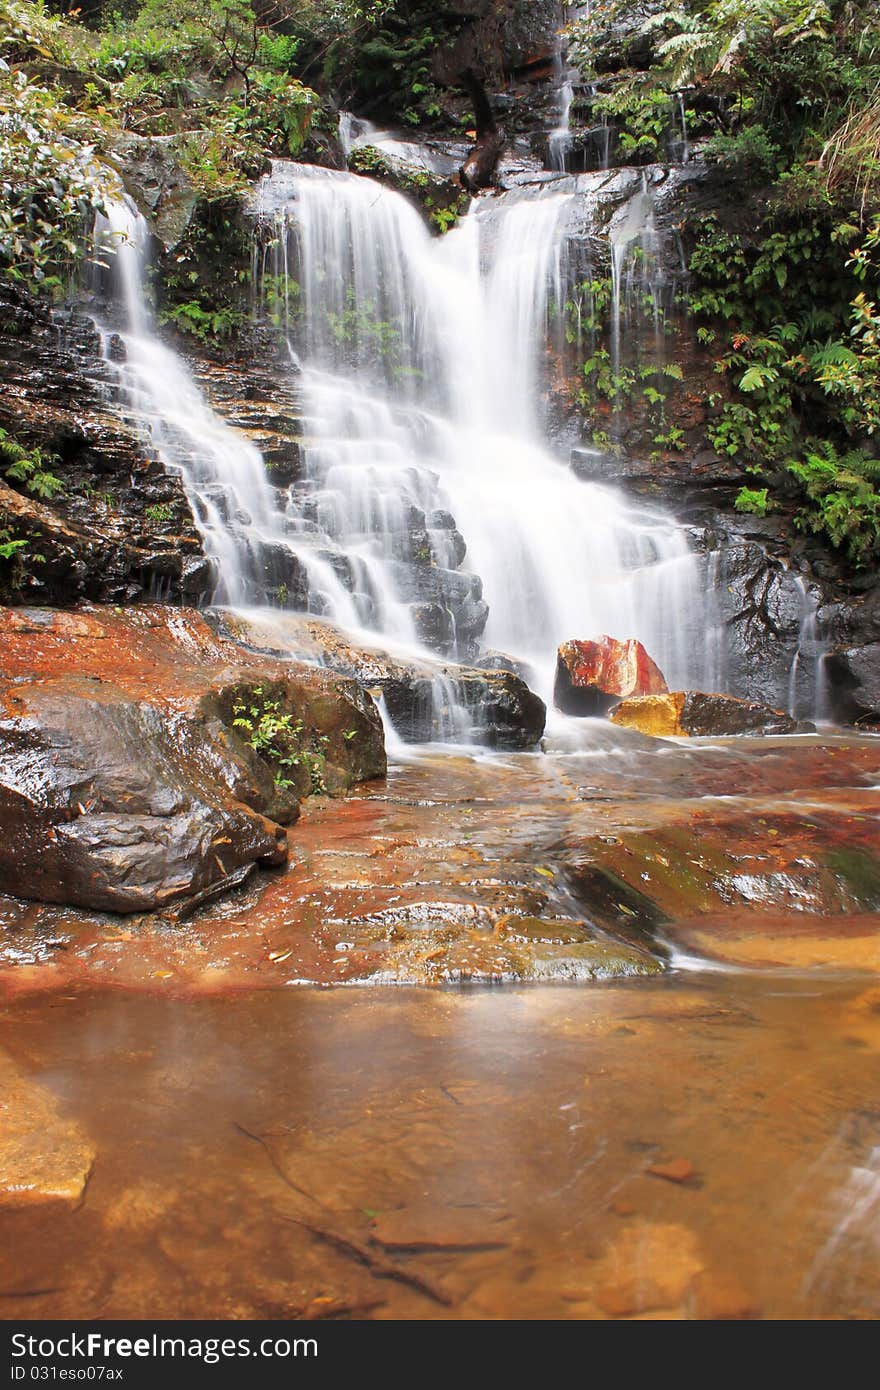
(701, 1143)
(644, 1082)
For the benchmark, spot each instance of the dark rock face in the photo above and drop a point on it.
(497, 708)
(761, 607)
(692, 713)
(854, 676)
(425, 700)
(121, 528)
(125, 784)
(591, 676)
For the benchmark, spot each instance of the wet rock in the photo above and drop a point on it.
(500, 661)
(425, 700)
(648, 1266)
(620, 41)
(120, 527)
(439, 196)
(591, 675)
(432, 1227)
(692, 713)
(155, 173)
(43, 1156)
(125, 783)
(676, 1170)
(854, 677)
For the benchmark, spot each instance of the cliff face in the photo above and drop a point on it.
(120, 528)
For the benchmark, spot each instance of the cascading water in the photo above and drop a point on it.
(807, 696)
(224, 474)
(421, 370)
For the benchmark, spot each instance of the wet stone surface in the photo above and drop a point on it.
(687, 1143)
(611, 861)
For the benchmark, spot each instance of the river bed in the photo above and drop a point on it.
(699, 1143)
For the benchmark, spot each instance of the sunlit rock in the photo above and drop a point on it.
(691, 713)
(591, 675)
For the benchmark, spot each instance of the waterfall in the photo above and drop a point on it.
(422, 364)
(224, 474)
(807, 695)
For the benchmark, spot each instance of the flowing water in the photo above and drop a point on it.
(421, 365)
(700, 1142)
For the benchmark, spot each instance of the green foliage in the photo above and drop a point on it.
(10, 548)
(28, 467)
(754, 501)
(359, 327)
(841, 499)
(49, 186)
(640, 107)
(203, 323)
(279, 737)
(159, 513)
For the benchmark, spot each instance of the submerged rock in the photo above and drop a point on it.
(591, 675)
(127, 780)
(691, 713)
(425, 700)
(43, 1156)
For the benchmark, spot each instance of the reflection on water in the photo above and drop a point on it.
(689, 1146)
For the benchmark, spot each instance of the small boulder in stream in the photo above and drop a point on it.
(591, 676)
(127, 778)
(694, 714)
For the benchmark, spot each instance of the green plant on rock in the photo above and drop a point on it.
(640, 108)
(753, 501)
(359, 327)
(10, 548)
(29, 467)
(280, 738)
(203, 323)
(159, 513)
(842, 500)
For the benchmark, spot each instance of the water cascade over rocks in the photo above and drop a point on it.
(429, 512)
(422, 362)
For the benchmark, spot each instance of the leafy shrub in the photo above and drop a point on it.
(49, 184)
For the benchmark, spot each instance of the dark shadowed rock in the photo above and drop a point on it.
(125, 783)
(692, 713)
(591, 675)
(120, 527)
(854, 677)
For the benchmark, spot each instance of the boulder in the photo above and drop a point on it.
(436, 192)
(591, 676)
(126, 783)
(692, 713)
(425, 700)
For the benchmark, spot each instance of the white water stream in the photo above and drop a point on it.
(422, 363)
(431, 509)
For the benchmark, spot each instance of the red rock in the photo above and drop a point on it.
(592, 676)
(676, 1170)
